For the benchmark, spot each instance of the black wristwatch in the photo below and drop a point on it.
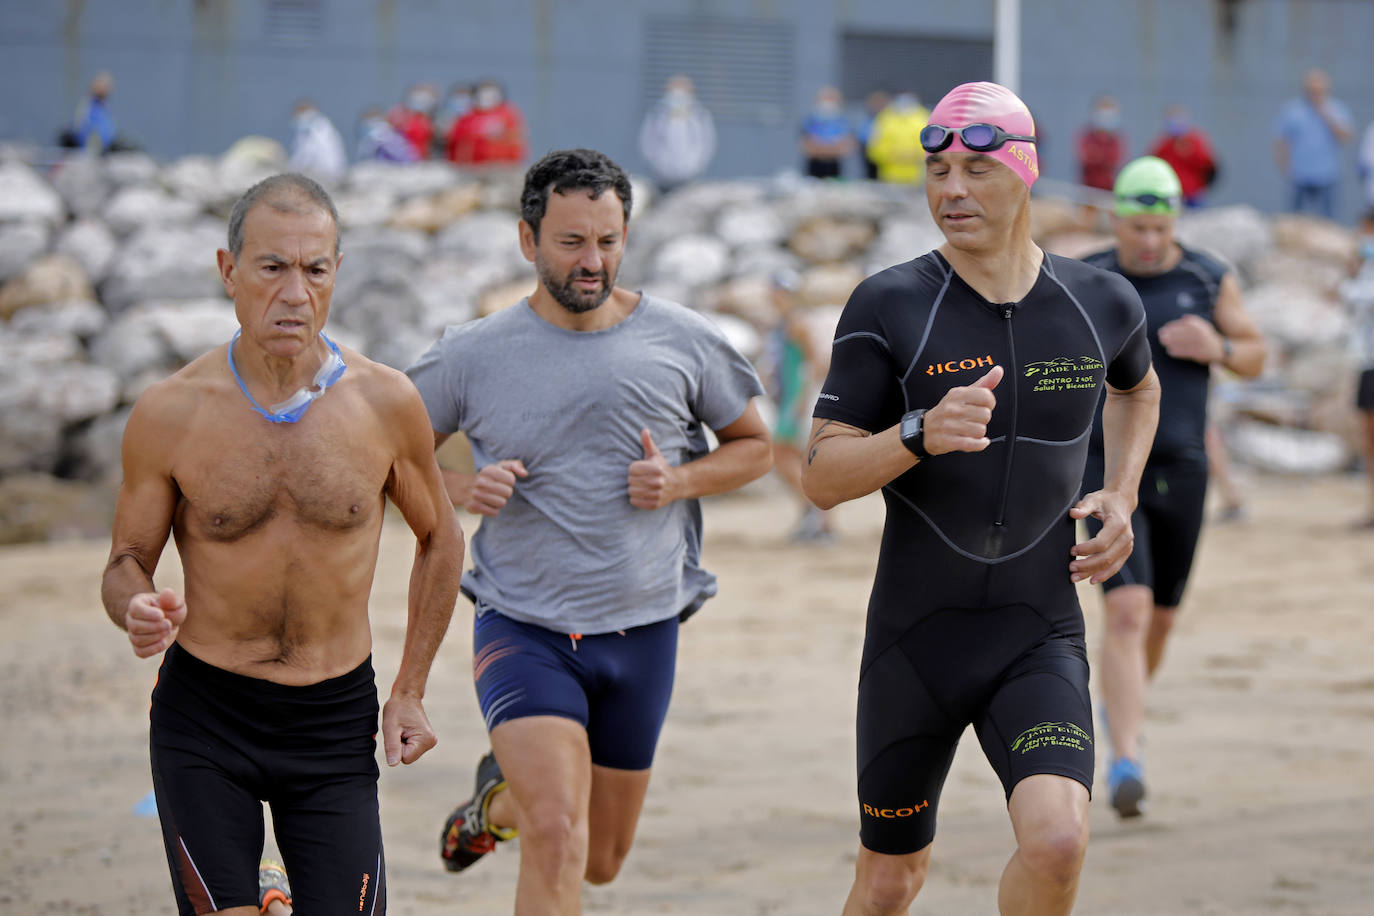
(914, 433)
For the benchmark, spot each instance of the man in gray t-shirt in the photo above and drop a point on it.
(586, 406)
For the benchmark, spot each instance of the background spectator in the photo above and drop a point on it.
(826, 139)
(877, 100)
(895, 144)
(678, 136)
(1186, 148)
(413, 118)
(317, 148)
(1365, 165)
(493, 132)
(93, 128)
(378, 140)
(457, 104)
(1308, 142)
(1101, 145)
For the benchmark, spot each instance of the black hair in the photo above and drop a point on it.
(284, 193)
(570, 170)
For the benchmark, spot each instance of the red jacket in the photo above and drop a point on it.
(1099, 156)
(1191, 157)
(489, 135)
(415, 126)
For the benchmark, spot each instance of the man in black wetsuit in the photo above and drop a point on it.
(1196, 320)
(963, 384)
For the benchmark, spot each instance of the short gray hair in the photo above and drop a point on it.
(284, 193)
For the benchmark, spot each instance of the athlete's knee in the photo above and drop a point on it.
(1128, 610)
(603, 864)
(555, 833)
(1055, 851)
(888, 884)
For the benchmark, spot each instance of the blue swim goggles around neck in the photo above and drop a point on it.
(294, 407)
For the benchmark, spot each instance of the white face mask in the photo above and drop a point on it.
(487, 97)
(678, 98)
(828, 108)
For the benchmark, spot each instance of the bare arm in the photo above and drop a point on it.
(1129, 419)
(1233, 341)
(417, 489)
(143, 519)
(745, 454)
(844, 462)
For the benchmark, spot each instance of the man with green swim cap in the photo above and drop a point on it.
(1196, 320)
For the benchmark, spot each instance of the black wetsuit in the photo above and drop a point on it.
(1173, 489)
(973, 617)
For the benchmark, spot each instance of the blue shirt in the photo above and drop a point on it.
(1314, 151)
(825, 128)
(94, 118)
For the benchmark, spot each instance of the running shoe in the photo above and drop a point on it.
(272, 884)
(1126, 781)
(468, 833)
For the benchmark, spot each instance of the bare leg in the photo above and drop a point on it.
(1123, 669)
(1220, 471)
(886, 885)
(1161, 624)
(1369, 458)
(1049, 815)
(277, 908)
(617, 799)
(548, 767)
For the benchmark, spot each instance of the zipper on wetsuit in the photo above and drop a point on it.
(999, 527)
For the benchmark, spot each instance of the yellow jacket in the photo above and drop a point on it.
(895, 144)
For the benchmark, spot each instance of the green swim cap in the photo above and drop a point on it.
(1147, 185)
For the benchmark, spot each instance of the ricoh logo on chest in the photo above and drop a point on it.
(960, 365)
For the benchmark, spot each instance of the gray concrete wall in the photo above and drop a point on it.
(194, 75)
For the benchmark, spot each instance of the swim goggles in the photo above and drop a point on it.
(981, 138)
(1150, 200)
(294, 407)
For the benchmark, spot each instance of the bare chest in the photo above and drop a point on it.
(237, 478)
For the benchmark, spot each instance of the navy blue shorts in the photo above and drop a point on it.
(617, 685)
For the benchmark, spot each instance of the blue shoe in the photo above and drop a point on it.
(1126, 782)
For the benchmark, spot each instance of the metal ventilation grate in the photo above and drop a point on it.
(293, 23)
(742, 68)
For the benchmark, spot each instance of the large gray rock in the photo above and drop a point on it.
(35, 392)
(197, 179)
(92, 451)
(25, 196)
(51, 278)
(740, 225)
(484, 235)
(693, 261)
(364, 206)
(402, 181)
(129, 168)
(81, 320)
(21, 244)
(92, 243)
(136, 207)
(83, 184)
(163, 262)
(1239, 235)
(365, 247)
(1296, 316)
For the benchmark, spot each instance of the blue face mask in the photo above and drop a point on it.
(294, 407)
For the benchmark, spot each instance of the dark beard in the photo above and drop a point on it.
(568, 296)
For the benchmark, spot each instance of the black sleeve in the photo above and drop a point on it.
(1132, 360)
(862, 388)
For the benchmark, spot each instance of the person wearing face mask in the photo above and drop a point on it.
(1186, 149)
(379, 141)
(317, 148)
(492, 133)
(1307, 147)
(457, 104)
(826, 137)
(413, 118)
(895, 144)
(1101, 145)
(678, 136)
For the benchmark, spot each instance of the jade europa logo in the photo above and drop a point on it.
(1063, 364)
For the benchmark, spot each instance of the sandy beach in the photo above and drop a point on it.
(1260, 753)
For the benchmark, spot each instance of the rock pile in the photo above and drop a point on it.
(108, 282)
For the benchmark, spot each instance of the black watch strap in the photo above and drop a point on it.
(913, 433)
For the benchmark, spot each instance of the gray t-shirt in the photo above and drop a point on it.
(568, 551)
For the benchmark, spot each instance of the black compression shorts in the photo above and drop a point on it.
(1167, 523)
(222, 744)
(1364, 393)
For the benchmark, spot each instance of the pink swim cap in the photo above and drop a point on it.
(990, 103)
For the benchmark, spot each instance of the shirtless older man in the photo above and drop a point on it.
(266, 691)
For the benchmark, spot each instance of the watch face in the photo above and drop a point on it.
(911, 425)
